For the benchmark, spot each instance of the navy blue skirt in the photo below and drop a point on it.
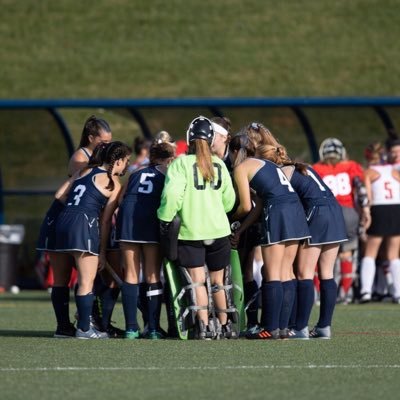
(77, 231)
(326, 222)
(47, 233)
(283, 220)
(137, 223)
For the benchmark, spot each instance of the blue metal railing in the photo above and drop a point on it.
(297, 105)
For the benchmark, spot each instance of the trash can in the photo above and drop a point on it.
(11, 237)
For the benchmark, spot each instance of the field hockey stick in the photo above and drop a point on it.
(113, 274)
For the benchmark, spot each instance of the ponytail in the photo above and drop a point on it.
(203, 158)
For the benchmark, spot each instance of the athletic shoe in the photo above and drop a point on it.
(263, 334)
(131, 334)
(95, 323)
(204, 332)
(115, 332)
(227, 332)
(365, 298)
(300, 335)
(249, 330)
(92, 333)
(321, 333)
(154, 335)
(284, 333)
(65, 332)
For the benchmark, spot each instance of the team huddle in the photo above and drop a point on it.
(185, 229)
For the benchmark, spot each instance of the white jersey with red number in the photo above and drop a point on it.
(340, 179)
(385, 189)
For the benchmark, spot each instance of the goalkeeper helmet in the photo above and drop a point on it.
(200, 128)
(332, 148)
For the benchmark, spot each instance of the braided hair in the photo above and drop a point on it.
(108, 153)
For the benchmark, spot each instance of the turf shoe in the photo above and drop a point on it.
(302, 334)
(204, 331)
(263, 334)
(284, 333)
(92, 333)
(115, 332)
(365, 298)
(321, 333)
(154, 335)
(227, 332)
(131, 334)
(65, 332)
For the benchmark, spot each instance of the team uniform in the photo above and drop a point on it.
(340, 178)
(385, 203)
(47, 234)
(137, 216)
(201, 207)
(78, 224)
(323, 212)
(283, 215)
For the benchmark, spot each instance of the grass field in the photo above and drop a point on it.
(361, 361)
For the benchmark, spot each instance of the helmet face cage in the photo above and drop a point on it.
(332, 148)
(200, 128)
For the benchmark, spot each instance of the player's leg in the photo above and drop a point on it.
(328, 286)
(394, 266)
(307, 259)
(60, 293)
(154, 288)
(130, 259)
(368, 267)
(87, 265)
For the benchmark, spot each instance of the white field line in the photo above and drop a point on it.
(205, 368)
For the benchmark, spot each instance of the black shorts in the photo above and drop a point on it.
(385, 220)
(195, 253)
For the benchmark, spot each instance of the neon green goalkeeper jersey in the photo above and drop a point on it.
(201, 205)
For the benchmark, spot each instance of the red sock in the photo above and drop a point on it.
(346, 270)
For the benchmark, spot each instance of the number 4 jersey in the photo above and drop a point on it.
(340, 179)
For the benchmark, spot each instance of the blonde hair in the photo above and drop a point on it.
(202, 150)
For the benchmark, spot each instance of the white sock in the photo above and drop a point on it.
(395, 271)
(367, 274)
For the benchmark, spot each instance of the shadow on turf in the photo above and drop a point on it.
(15, 333)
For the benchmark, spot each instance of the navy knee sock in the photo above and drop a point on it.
(272, 294)
(328, 291)
(287, 303)
(305, 301)
(108, 299)
(129, 294)
(142, 301)
(293, 314)
(60, 301)
(250, 292)
(84, 305)
(154, 298)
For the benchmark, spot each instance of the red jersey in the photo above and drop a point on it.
(340, 179)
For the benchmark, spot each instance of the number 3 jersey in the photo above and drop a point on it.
(137, 215)
(78, 224)
(201, 205)
(340, 179)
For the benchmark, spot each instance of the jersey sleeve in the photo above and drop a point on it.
(174, 189)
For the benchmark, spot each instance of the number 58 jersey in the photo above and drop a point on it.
(137, 220)
(340, 179)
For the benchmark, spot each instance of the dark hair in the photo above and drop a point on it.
(108, 153)
(140, 144)
(244, 146)
(224, 122)
(161, 151)
(93, 126)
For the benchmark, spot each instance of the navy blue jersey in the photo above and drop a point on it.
(47, 234)
(324, 214)
(78, 224)
(283, 214)
(137, 216)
